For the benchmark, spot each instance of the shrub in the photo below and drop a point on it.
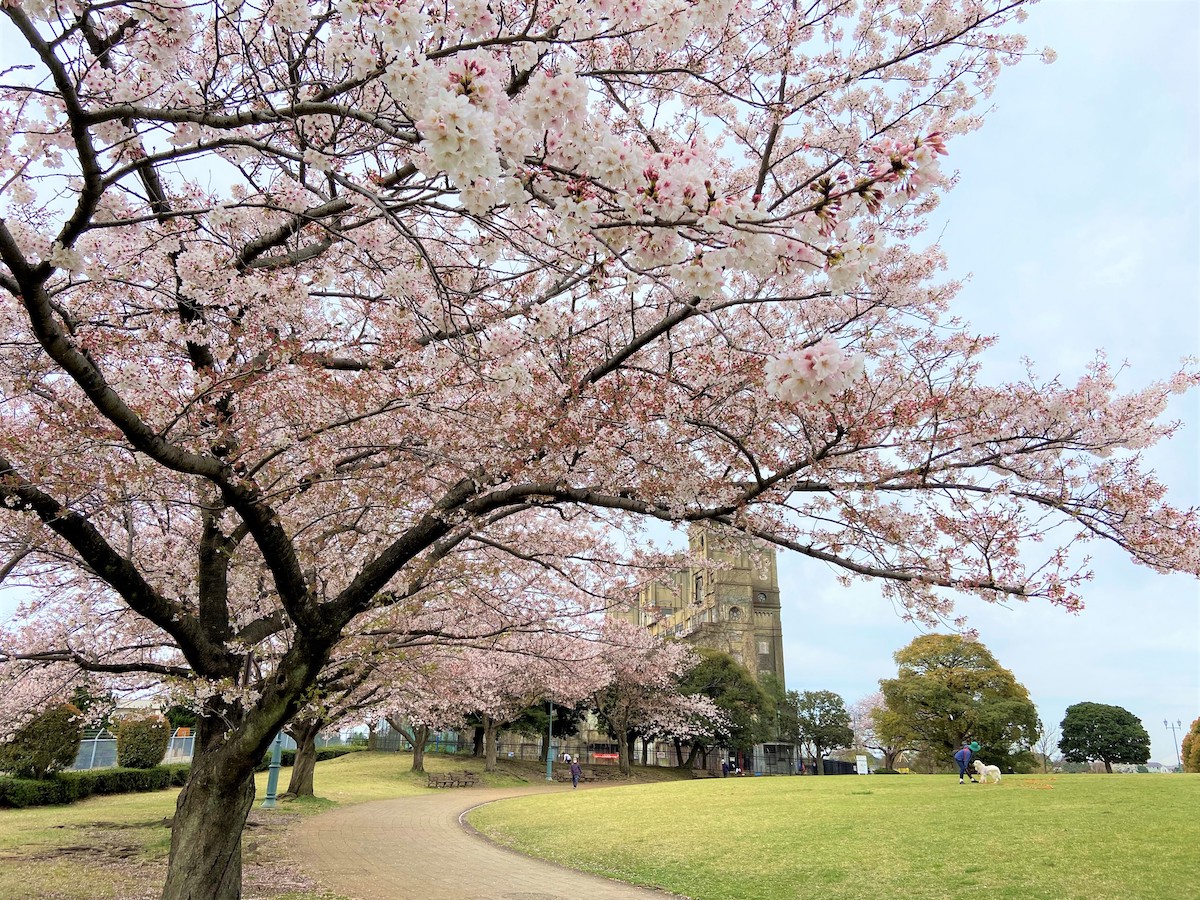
(49, 742)
(142, 741)
(886, 772)
(179, 774)
(67, 787)
(288, 757)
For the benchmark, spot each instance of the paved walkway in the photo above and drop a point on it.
(416, 848)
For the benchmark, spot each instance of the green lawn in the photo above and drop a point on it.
(914, 837)
(115, 848)
(1099, 837)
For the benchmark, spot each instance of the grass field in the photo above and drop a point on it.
(1100, 837)
(115, 848)
(920, 837)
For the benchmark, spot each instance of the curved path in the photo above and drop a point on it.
(416, 848)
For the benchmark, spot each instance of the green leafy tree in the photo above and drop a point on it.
(180, 717)
(534, 719)
(1191, 748)
(949, 689)
(822, 721)
(773, 721)
(735, 691)
(1110, 734)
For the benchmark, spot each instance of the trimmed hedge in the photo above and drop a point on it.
(67, 787)
(288, 757)
(47, 743)
(142, 741)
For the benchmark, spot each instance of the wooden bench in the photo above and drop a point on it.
(452, 779)
(564, 775)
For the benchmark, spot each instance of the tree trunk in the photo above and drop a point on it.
(645, 752)
(304, 732)
(630, 738)
(1107, 767)
(624, 764)
(205, 837)
(420, 739)
(820, 755)
(693, 752)
(478, 748)
(417, 736)
(489, 744)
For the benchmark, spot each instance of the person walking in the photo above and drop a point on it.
(963, 758)
(576, 772)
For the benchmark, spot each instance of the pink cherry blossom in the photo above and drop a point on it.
(338, 335)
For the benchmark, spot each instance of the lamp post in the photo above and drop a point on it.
(1178, 723)
(550, 743)
(273, 772)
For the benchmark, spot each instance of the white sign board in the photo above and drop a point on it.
(861, 762)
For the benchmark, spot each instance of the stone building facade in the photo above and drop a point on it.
(727, 600)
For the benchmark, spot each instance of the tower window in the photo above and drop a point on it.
(763, 648)
(735, 613)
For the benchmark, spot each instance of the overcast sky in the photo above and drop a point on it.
(1076, 216)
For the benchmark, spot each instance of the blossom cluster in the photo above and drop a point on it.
(813, 373)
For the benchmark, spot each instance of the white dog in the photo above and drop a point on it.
(986, 772)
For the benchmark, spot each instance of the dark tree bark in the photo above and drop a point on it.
(694, 750)
(205, 861)
(477, 749)
(419, 739)
(417, 736)
(489, 742)
(304, 732)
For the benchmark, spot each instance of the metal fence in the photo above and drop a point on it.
(98, 749)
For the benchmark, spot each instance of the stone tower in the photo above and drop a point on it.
(728, 602)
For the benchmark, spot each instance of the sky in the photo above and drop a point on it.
(1076, 217)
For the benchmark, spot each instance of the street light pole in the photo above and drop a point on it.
(273, 772)
(550, 743)
(1177, 724)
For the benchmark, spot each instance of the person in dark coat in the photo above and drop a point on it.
(963, 758)
(576, 772)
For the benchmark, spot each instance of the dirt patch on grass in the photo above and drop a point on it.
(134, 856)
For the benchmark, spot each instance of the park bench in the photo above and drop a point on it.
(452, 779)
(565, 775)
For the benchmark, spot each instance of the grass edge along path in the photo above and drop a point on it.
(845, 838)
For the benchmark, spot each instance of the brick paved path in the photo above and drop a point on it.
(415, 848)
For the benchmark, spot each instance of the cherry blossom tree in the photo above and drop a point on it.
(863, 716)
(639, 693)
(313, 311)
